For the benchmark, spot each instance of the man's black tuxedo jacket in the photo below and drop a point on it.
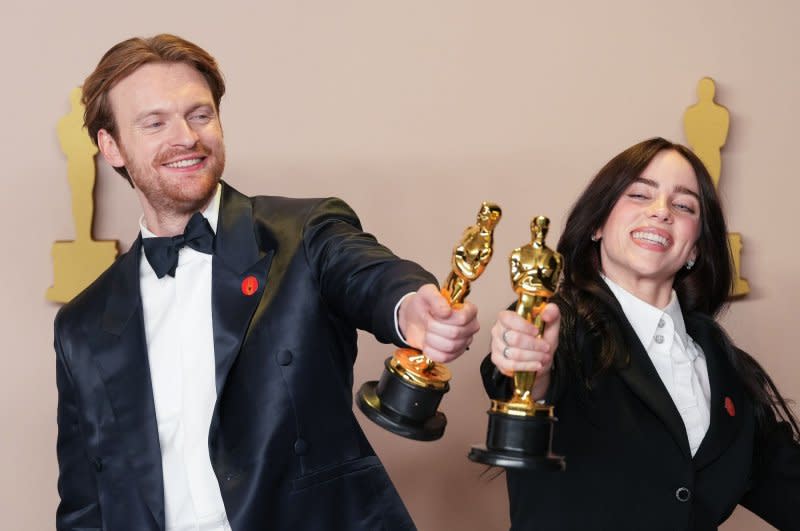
(285, 446)
(627, 451)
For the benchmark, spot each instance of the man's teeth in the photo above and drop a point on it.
(649, 236)
(183, 163)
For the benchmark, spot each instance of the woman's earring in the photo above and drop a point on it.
(595, 238)
(689, 264)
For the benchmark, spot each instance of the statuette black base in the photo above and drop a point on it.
(520, 442)
(403, 408)
(480, 454)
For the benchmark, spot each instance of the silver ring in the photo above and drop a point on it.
(505, 353)
(505, 339)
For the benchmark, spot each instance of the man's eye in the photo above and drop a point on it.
(153, 125)
(202, 117)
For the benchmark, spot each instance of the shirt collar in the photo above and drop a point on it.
(644, 317)
(211, 213)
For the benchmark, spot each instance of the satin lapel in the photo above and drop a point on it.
(725, 385)
(120, 353)
(643, 379)
(240, 269)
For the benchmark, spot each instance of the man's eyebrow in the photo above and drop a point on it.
(147, 114)
(159, 111)
(201, 105)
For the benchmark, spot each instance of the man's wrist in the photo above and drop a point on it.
(397, 318)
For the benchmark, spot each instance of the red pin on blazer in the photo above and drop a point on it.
(249, 285)
(729, 407)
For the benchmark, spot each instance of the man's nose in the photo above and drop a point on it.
(183, 134)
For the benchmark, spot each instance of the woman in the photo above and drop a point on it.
(664, 423)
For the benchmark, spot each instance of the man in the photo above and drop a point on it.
(205, 378)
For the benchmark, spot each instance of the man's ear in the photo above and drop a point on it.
(109, 148)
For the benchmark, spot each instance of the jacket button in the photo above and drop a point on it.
(98, 464)
(284, 357)
(683, 494)
(300, 447)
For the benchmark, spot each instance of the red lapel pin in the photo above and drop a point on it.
(729, 407)
(249, 285)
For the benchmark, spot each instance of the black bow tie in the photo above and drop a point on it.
(162, 253)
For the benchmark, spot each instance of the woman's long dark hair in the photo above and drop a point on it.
(703, 290)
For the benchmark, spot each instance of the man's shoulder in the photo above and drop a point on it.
(300, 207)
(298, 213)
(268, 207)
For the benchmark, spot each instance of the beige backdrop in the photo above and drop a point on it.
(413, 112)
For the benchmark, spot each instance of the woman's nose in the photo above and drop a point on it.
(659, 209)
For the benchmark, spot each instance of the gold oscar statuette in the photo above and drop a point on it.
(520, 429)
(77, 263)
(405, 399)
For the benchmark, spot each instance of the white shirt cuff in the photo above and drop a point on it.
(397, 318)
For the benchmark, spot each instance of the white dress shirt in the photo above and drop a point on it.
(180, 348)
(679, 361)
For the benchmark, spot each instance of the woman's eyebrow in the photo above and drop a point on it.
(683, 190)
(678, 189)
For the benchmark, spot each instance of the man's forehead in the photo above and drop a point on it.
(174, 72)
(159, 81)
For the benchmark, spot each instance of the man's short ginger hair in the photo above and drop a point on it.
(125, 58)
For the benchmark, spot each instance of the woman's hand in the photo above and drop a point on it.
(517, 347)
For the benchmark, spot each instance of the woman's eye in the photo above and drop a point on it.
(685, 208)
(637, 195)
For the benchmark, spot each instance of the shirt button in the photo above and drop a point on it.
(661, 323)
(659, 339)
(683, 494)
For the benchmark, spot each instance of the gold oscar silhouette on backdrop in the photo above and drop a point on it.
(706, 125)
(77, 263)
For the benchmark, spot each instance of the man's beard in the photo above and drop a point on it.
(172, 197)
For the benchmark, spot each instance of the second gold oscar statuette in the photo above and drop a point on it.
(520, 431)
(405, 400)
